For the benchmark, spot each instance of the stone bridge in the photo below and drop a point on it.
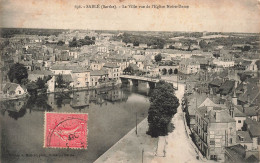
(147, 81)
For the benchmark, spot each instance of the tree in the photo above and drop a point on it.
(158, 57)
(17, 72)
(203, 44)
(60, 43)
(60, 82)
(163, 106)
(87, 38)
(136, 43)
(32, 88)
(40, 83)
(244, 76)
(129, 70)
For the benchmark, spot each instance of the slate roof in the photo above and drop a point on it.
(237, 153)
(222, 115)
(227, 87)
(216, 82)
(243, 137)
(251, 93)
(238, 112)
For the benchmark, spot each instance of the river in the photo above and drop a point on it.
(112, 113)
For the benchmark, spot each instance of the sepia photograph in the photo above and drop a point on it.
(130, 81)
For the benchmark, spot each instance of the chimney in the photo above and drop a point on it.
(234, 98)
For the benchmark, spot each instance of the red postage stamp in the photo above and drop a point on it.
(65, 130)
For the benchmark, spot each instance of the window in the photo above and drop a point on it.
(230, 140)
(20, 92)
(239, 121)
(212, 142)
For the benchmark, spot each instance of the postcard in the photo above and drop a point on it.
(130, 81)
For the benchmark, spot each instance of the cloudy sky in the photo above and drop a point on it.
(202, 15)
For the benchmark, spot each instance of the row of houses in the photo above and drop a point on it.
(226, 118)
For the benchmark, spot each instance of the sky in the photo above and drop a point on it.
(202, 15)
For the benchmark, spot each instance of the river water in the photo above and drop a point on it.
(111, 114)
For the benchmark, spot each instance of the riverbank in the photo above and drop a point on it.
(132, 148)
(61, 90)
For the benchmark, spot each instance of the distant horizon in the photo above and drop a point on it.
(127, 30)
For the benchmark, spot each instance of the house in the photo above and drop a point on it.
(249, 93)
(97, 77)
(249, 65)
(73, 53)
(244, 138)
(223, 64)
(102, 49)
(253, 127)
(239, 117)
(214, 85)
(113, 70)
(13, 90)
(97, 65)
(189, 66)
(81, 77)
(215, 129)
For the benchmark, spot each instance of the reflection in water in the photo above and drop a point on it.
(14, 108)
(77, 100)
(112, 114)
